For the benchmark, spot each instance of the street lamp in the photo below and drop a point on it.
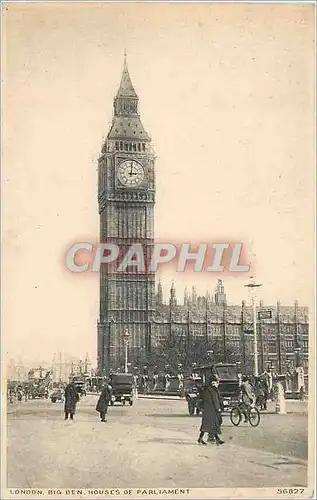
(126, 337)
(253, 286)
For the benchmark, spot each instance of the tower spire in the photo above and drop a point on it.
(126, 89)
(126, 122)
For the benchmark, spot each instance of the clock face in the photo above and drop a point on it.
(130, 173)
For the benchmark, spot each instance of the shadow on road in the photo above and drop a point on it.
(170, 441)
(168, 415)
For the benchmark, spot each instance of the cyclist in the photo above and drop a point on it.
(247, 396)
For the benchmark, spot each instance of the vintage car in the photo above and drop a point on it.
(122, 388)
(39, 391)
(80, 385)
(192, 390)
(57, 395)
(229, 384)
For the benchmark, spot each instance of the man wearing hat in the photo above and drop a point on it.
(248, 397)
(103, 401)
(211, 417)
(215, 384)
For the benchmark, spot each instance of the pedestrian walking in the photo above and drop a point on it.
(211, 438)
(265, 386)
(248, 397)
(26, 393)
(211, 412)
(71, 400)
(259, 393)
(103, 402)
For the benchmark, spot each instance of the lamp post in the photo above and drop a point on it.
(253, 286)
(126, 337)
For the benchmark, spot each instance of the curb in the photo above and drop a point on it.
(164, 398)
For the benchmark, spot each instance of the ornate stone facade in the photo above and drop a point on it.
(126, 205)
(282, 340)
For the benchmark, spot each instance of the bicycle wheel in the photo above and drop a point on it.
(254, 417)
(235, 416)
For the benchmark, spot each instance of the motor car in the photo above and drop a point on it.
(57, 395)
(122, 388)
(192, 391)
(229, 383)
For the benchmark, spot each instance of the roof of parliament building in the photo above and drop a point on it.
(215, 305)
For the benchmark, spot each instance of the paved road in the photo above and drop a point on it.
(152, 444)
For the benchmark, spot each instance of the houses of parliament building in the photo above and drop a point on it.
(132, 308)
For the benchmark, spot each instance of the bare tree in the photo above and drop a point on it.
(175, 351)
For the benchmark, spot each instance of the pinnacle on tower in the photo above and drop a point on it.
(126, 88)
(126, 100)
(194, 296)
(159, 293)
(186, 297)
(126, 123)
(173, 300)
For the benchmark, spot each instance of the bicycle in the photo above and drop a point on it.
(252, 415)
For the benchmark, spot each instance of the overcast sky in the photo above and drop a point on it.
(226, 92)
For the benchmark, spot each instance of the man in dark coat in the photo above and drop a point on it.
(211, 412)
(215, 384)
(103, 402)
(71, 400)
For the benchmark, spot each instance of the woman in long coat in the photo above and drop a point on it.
(71, 400)
(103, 402)
(211, 418)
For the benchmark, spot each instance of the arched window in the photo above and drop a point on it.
(126, 146)
(134, 147)
(139, 146)
(121, 146)
(117, 145)
(143, 146)
(130, 147)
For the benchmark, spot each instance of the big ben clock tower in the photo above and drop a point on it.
(126, 196)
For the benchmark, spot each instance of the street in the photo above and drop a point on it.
(151, 444)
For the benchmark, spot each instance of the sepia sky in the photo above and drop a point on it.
(226, 92)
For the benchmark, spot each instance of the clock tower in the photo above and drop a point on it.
(126, 196)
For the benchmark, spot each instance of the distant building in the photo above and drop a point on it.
(64, 367)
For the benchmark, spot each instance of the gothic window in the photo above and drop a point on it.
(119, 296)
(271, 346)
(305, 345)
